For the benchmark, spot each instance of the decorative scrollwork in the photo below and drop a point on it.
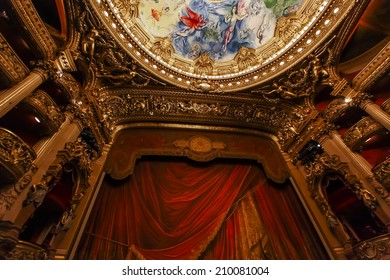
(14, 153)
(163, 48)
(245, 57)
(382, 173)
(301, 82)
(374, 249)
(80, 151)
(128, 9)
(204, 64)
(335, 109)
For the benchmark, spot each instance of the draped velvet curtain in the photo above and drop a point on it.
(178, 209)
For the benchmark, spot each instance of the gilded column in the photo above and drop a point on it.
(375, 112)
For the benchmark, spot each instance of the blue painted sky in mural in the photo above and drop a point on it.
(219, 28)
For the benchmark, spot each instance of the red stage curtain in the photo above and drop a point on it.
(182, 210)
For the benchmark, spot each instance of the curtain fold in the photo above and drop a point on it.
(171, 209)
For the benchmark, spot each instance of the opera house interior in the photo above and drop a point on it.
(194, 129)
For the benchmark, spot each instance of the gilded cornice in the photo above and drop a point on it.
(10, 64)
(316, 21)
(36, 27)
(378, 66)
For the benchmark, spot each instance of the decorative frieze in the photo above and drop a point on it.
(335, 109)
(361, 131)
(126, 107)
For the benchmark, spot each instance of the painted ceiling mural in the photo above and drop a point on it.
(216, 27)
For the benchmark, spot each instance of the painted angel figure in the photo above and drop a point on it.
(238, 13)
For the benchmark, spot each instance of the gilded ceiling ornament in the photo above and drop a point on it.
(335, 109)
(128, 9)
(245, 58)
(204, 64)
(163, 48)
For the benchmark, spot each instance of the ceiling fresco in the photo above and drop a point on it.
(218, 28)
(220, 45)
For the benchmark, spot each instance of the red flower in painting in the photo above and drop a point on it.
(193, 21)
